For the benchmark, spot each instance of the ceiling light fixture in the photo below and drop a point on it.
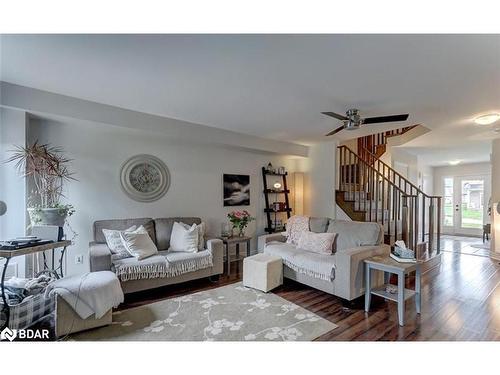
(487, 119)
(454, 162)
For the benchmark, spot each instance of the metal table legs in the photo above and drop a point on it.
(5, 307)
(57, 272)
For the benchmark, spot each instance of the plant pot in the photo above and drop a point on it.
(47, 216)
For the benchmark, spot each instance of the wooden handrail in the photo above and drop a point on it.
(397, 174)
(383, 195)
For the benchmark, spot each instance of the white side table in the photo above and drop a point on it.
(388, 265)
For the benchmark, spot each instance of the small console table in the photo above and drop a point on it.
(388, 265)
(56, 271)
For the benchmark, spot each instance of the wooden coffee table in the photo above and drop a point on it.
(388, 265)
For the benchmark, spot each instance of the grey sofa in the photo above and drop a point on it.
(355, 242)
(159, 230)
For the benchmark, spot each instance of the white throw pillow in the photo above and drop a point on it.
(138, 243)
(321, 243)
(184, 238)
(114, 241)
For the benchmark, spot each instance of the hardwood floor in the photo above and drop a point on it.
(460, 301)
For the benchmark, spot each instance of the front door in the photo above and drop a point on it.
(464, 204)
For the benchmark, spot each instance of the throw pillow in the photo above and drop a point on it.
(321, 243)
(184, 238)
(139, 244)
(114, 241)
(201, 233)
(202, 227)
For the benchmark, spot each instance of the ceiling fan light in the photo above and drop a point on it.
(487, 119)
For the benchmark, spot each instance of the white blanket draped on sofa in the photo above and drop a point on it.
(320, 266)
(165, 264)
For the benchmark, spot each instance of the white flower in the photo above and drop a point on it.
(271, 336)
(156, 326)
(215, 331)
(285, 309)
(236, 326)
(291, 334)
(300, 316)
(187, 298)
(260, 303)
(208, 303)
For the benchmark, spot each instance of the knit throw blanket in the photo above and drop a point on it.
(294, 228)
(165, 264)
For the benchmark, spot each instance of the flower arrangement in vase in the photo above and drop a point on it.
(240, 220)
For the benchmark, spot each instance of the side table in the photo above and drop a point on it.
(388, 265)
(235, 240)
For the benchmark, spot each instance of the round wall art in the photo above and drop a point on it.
(145, 178)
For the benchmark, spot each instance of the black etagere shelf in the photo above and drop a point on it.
(272, 212)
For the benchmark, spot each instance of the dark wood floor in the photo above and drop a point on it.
(460, 301)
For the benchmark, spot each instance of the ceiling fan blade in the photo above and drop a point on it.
(393, 118)
(335, 131)
(335, 115)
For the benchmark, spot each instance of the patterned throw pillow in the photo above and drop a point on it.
(114, 241)
(321, 243)
(202, 227)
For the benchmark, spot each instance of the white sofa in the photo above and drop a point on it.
(356, 241)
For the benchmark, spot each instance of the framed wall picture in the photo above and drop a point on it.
(236, 189)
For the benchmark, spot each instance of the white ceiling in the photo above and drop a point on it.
(275, 86)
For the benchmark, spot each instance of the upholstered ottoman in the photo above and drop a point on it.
(85, 301)
(263, 272)
(67, 320)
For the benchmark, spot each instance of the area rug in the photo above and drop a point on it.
(228, 313)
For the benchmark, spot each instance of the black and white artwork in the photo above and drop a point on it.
(236, 190)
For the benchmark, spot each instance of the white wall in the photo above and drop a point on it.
(196, 177)
(495, 196)
(460, 170)
(13, 125)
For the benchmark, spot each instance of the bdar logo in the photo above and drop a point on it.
(8, 334)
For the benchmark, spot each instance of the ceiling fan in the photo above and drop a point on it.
(352, 120)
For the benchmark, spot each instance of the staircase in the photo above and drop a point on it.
(370, 190)
(376, 144)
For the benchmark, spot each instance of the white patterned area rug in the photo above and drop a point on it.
(228, 313)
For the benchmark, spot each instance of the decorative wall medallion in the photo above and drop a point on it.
(145, 178)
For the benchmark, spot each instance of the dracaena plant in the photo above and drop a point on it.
(49, 169)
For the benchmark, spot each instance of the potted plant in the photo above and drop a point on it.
(48, 169)
(240, 220)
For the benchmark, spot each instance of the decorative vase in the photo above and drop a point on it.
(226, 230)
(47, 216)
(241, 232)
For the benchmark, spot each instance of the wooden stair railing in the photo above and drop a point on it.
(377, 143)
(386, 197)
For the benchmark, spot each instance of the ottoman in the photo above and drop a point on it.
(85, 301)
(263, 272)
